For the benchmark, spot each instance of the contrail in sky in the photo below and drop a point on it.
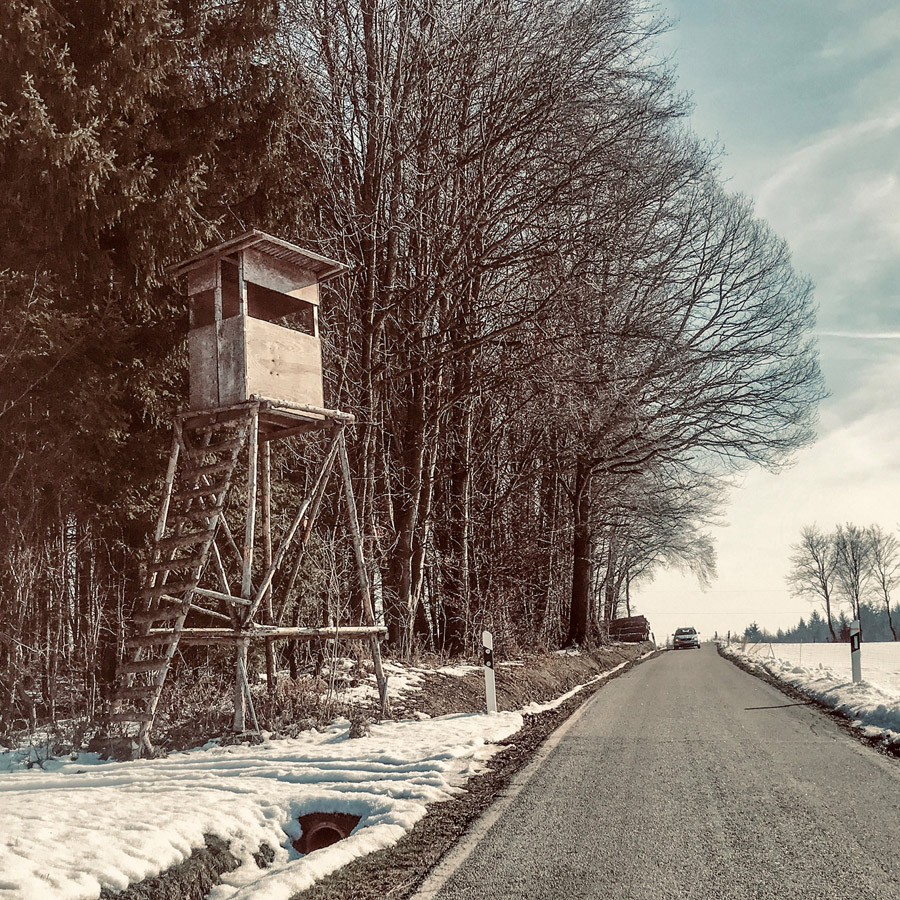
(863, 335)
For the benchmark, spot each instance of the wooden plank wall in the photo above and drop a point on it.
(231, 351)
(202, 360)
(283, 364)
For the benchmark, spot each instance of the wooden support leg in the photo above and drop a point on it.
(247, 569)
(240, 678)
(170, 481)
(266, 486)
(368, 610)
(250, 523)
(249, 696)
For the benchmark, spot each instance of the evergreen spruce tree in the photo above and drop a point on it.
(132, 133)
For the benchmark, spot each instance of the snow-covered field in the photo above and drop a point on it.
(822, 672)
(79, 825)
(880, 661)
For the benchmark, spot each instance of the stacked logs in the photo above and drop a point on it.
(630, 629)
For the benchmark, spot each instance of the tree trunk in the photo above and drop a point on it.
(400, 599)
(611, 600)
(455, 541)
(828, 618)
(891, 620)
(582, 564)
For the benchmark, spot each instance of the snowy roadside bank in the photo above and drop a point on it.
(870, 706)
(80, 825)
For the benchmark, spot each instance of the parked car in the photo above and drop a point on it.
(685, 638)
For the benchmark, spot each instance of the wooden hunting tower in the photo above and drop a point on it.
(255, 377)
(241, 295)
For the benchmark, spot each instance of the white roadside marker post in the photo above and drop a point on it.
(855, 662)
(490, 688)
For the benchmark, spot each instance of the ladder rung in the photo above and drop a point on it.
(230, 446)
(142, 666)
(185, 540)
(155, 639)
(160, 614)
(211, 469)
(164, 598)
(209, 490)
(167, 565)
(196, 514)
(170, 588)
(132, 716)
(143, 692)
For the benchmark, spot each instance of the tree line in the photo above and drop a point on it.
(852, 571)
(812, 629)
(558, 331)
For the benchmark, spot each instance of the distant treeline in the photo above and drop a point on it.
(812, 628)
(852, 572)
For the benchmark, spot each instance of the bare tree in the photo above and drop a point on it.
(884, 556)
(666, 526)
(853, 567)
(694, 350)
(814, 570)
(465, 149)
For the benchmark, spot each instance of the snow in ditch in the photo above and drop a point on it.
(80, 825)
(823, 672)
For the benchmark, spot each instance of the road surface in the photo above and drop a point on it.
(687, 777)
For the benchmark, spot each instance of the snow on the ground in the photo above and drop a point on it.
(401, 680)
(872, 705)
(79, 825)
(879, 660)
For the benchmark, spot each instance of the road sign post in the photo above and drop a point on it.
(855, 662)
(490, 688)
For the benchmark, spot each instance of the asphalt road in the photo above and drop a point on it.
(687, 777)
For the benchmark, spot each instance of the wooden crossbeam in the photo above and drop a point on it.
(285, 432)
(319, 411)
(174, 611)
(264, 632)
(217, 414)
(219, 595)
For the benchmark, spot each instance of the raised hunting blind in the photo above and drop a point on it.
(219, 574)
(254, 321)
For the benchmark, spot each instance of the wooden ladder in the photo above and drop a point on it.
(207, 446)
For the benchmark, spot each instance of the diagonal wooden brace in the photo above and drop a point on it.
(288, 538)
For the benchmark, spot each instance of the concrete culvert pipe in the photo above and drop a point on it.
(323, 829)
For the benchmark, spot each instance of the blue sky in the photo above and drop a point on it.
(804, 98)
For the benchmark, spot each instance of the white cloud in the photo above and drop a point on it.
(836, 200)
(864, 374)
(853, 139)
(877, 32)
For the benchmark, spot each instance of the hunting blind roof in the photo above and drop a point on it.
(320, 267)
